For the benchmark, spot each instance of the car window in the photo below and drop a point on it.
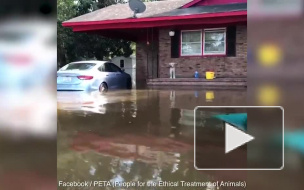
(102, 68)
(107, 67)
(115, 68)
(14, 37)
(79, 66)
(110, 67)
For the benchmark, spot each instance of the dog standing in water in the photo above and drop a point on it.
(172, 70)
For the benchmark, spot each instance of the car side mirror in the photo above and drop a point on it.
(122, 69)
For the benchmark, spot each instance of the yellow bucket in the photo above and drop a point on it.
(209, 96)
(209, 75)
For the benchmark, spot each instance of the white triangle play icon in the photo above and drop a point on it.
(235, 138)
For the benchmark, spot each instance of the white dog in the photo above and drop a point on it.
(172, 70)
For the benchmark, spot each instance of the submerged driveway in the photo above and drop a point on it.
(140, 134)
(144, 135)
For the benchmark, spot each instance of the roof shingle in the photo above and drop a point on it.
(122, 11)
(205, 9)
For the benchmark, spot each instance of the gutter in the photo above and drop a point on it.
(209, 18)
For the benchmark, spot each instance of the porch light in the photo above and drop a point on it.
(171, 33)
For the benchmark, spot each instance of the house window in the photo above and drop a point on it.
(191, 43)
(215, 42)
(122, 63)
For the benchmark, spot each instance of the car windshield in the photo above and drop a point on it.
(78, 66)
(13, 36)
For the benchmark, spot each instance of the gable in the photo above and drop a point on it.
(196, 3)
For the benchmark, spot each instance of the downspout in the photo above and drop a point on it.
(147, 43)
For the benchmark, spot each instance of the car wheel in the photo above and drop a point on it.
(103, 87)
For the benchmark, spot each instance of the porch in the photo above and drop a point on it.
(200, 82)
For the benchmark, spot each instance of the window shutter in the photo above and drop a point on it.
(231, 41)
(175, 44)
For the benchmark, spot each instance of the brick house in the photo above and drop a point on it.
(197, 35)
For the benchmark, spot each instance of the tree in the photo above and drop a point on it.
(77, 46)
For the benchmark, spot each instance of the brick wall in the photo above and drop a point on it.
(186, 66)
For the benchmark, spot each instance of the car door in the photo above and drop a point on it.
(109, 75)
(119, 76)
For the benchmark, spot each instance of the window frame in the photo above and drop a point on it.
(203, 53)
(181, 43)
(225, 41)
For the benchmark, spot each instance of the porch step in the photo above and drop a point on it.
(218, 82)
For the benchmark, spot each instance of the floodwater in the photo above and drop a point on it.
(141, 135)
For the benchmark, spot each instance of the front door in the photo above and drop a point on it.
(152, 55)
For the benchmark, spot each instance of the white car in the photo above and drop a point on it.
(92, 75)
(28, 53)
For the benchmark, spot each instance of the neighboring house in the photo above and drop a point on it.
(128, 64)
(197, 35)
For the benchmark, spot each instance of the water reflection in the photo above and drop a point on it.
(144, 135)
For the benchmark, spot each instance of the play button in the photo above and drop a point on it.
(235, 138)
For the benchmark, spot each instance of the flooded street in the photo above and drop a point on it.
(142, 135)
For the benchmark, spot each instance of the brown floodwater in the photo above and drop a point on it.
(146, 135)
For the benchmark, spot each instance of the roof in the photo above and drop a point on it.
(205, 9)
(91, 61)
(166, 13)
(122, 11)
